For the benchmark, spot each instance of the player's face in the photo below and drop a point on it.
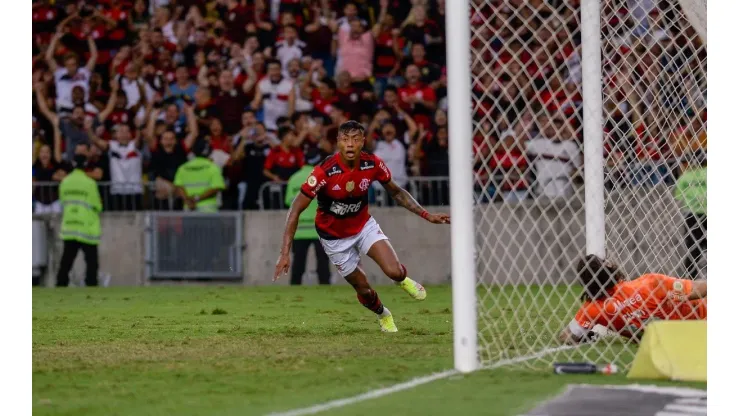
(350, 144)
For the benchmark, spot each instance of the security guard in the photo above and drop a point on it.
(306, 234)
(80, 198)
(199, 180)
(691, 192)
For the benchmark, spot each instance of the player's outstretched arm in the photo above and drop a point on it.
(300, 203)
(404, 199)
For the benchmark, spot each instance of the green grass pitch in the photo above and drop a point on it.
(250, 351)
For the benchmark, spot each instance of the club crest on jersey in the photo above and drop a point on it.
(311, 181)
(364, 184)
(350, 186)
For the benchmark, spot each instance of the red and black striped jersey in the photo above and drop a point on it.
(342, 194)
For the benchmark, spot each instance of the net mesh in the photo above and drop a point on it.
(528, 160)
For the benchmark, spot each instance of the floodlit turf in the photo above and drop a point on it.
(249, 351)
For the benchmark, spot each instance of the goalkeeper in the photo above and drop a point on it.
(613, 304)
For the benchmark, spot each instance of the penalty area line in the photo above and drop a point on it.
(414, 382)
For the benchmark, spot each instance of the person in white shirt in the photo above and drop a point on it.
(290, 47)
(276, 94)
(126, 161)
(392, 151)
(71, 75)
(555, 159)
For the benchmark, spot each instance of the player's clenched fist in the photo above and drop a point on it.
(282, 266)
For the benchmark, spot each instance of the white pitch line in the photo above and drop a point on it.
(415, 382)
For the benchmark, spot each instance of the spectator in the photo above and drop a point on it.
(318, 37)
(434, 151)
(555, 159)
(392, 151)
(168, 154)
(350, 13)
(72, 128)
(418, 29)
(430, 72)
(276, 95)
(229, 101)
(126, 168)
(290, 47)
(509, 166)
(65, 79)
(256, 147)
(183, 89)
(355, 52)
(388, 46)
(47, 171)
(285, 159)
(204, 109)
(417, 98)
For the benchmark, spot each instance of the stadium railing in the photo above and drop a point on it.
(115, 196)
(428, 190)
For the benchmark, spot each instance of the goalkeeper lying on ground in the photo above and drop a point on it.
(611, 303)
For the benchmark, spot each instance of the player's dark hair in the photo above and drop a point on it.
(273, 62)
(351, 126)
(598, 277)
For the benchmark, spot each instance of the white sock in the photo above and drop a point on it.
(385, 312)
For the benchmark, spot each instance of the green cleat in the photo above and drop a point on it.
(414, 289)
(386, 322)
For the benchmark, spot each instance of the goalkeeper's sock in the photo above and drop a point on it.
(371, 300)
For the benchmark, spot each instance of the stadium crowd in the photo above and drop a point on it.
(136, 84)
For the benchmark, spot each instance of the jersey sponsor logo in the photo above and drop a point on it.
(340, 208)
(350, 186)
(334, 170)
(336, 188)
(364, 184)
(385, 169)
(613, 306)
(678, 286)
(367, 164)
(311, 181)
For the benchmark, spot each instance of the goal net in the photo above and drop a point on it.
(535, 114)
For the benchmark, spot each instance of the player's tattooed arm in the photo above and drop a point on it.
(403, 198)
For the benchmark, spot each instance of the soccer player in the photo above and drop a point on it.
(611, 303)
(345, 227)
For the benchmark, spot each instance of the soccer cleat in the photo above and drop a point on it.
(386, 321)
(414, 289)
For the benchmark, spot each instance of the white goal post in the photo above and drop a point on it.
(572, 123)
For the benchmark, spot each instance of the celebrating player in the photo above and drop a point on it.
(611, 303)
(345, 227)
